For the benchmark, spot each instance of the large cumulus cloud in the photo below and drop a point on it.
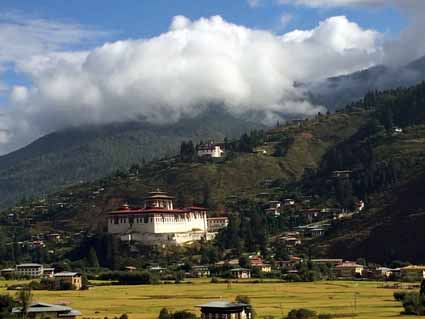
(169, 76)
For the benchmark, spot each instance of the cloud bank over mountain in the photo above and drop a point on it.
(195, 63)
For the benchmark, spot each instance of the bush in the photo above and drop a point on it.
(414, 304)
(302, 314)
(399, 295)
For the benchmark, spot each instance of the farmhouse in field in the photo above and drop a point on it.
(211, 149)
(74, 279)
(40, 310)
(159, 222)
(29, 270)
(348, 269)
(225, 310)
(241, 273)
(413, 272)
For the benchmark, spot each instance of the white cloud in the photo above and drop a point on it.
(254, 3)
(22, 36)
(335, 3)
(285, 20)
(173, 74)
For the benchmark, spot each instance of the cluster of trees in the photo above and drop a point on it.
(130, 278)
(247, 142)
(413, 302)
(303, 313)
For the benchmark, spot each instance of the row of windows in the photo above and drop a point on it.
(139, 220)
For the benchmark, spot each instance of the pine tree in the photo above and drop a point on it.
(92, 259)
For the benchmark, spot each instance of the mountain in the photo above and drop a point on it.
(83, 154)
(337, 92)
(380, 139)
(281, 155)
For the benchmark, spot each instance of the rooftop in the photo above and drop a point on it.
(29, 265)
(223, 304)
(67, 274)
(45, 307)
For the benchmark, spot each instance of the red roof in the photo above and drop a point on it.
(155, 210)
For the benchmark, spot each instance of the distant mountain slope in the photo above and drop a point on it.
(336, 92)
(201, 182)
(82, 154)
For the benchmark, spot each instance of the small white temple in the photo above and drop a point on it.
(158, 222)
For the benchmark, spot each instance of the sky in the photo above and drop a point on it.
(76, 62)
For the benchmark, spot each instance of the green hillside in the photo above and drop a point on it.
(380, 139)
(83, 154)
(214, 183)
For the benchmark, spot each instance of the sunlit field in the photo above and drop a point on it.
(348, 299)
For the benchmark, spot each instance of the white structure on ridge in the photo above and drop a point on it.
(210, 149)
(158, 222)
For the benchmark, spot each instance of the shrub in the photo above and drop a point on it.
(302, 314)
(414, 304)
(399, 295)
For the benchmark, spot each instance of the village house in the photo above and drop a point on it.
(7, 272)
(130, 268)
(413, 272)
(29, 270)
(230, 262)
(348, 269)
(211, 149)
(289, 202)
(344, 174)
(257, 262)
(200, 271)
(327, 261)
(72, 278)
(225, 310)
(159, 223)
(214, 224)
(290, 241)
(273, 207)
(41, 310)
(48, 272)
(241, 273)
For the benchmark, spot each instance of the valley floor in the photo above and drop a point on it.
(268, 298)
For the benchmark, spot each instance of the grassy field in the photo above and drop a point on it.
(274, 299)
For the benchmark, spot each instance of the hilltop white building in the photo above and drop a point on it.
(211, 149)
(158, 222)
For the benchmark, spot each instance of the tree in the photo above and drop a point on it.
(183, 315)
(243, 261)
(92, 259)
(24, 298)
(422, 291)
(6, 305)
(243, 299)
(302, 314)
(164, 314)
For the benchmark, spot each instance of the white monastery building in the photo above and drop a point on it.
(211, 149)
(158, 222)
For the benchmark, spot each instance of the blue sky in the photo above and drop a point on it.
(147, 18)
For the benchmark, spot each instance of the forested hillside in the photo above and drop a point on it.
(83, 154)
(378, 140)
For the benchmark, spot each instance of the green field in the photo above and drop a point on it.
(275, 299)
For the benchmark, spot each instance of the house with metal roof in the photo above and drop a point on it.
(41, 310)
(71, 278)
(225, 310)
